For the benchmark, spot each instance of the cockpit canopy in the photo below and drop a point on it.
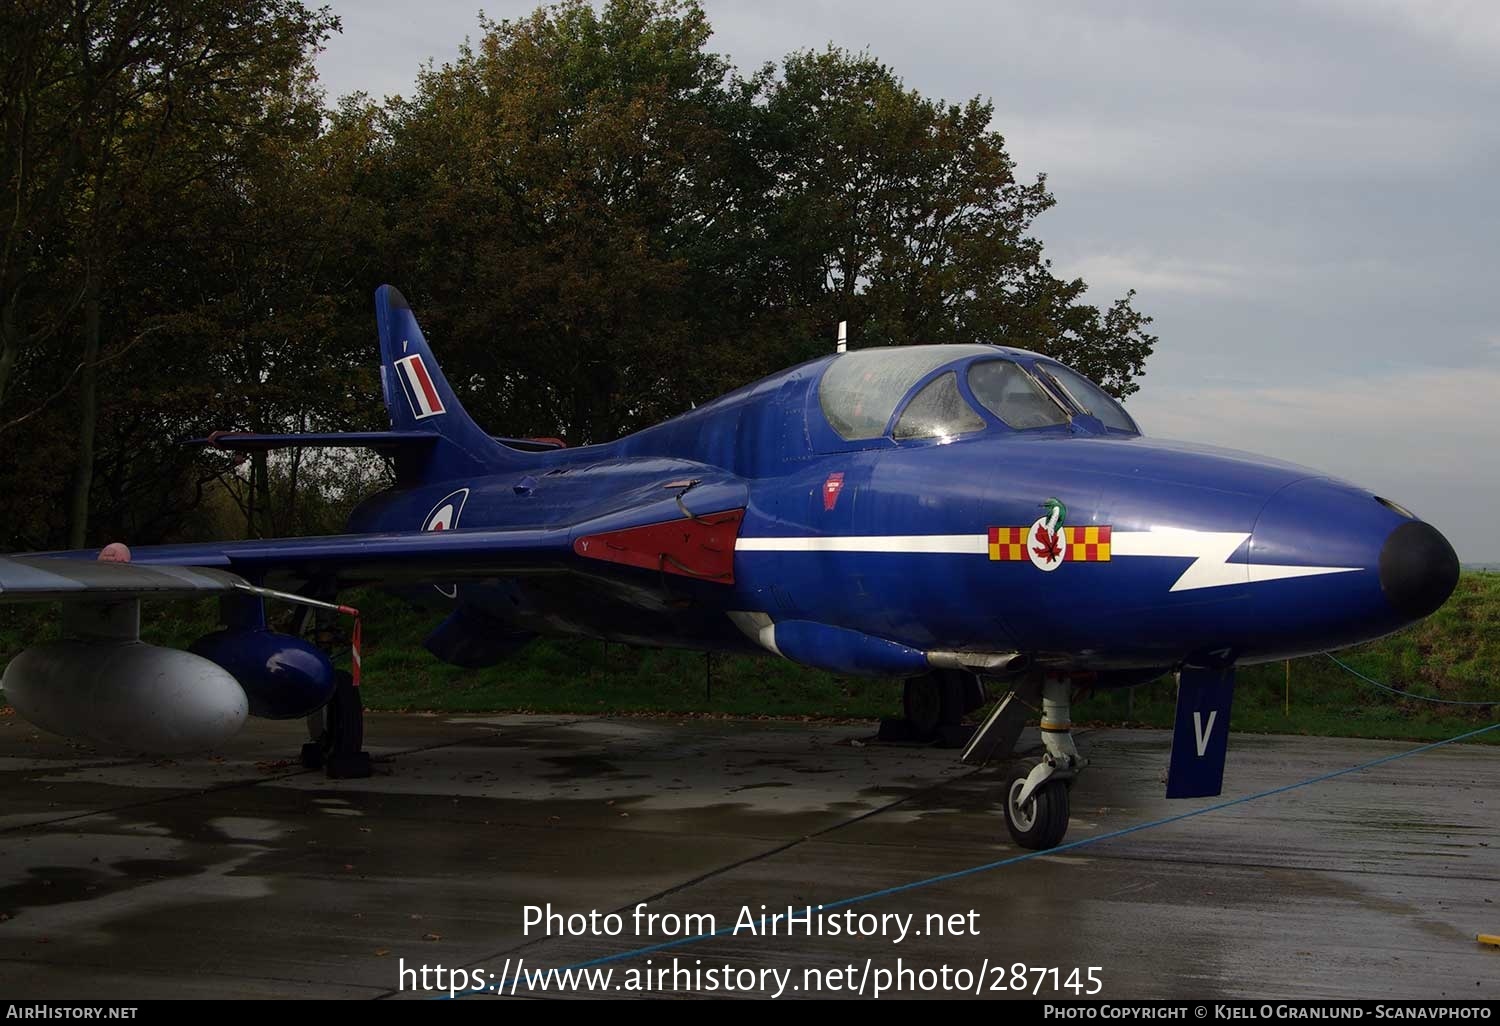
(943, 392)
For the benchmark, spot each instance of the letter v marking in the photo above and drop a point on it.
(1200, 733)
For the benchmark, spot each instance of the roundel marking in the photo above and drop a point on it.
(444, 517)
(442, 520)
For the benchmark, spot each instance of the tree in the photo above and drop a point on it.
(568, 190)
(108, 101)
(903, 216)
(259, 276)
(605, 222)
(600, 221)
(129, 107)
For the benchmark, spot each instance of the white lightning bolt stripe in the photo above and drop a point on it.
(1212, 551)
(945, 544)
(1209, 550)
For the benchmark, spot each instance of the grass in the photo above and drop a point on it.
(1454, 654)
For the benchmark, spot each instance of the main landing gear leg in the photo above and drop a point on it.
(338, 729)
(1036, 791)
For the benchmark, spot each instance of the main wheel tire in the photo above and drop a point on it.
(935, 703)
(338, 731)
(345, 717)
(922, 702)
(1043, 821)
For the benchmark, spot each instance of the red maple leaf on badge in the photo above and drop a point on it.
(1050, 544)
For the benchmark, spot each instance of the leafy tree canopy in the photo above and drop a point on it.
(599, 219)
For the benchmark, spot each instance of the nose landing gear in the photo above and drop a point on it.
(1039, 820)
(1036, 790)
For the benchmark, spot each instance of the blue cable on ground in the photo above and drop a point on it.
(1396, 691)
(1000, 863)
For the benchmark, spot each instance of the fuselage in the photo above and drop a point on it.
(1150, 553)
(929, 512)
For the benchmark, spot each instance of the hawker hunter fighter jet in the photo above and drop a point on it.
(939, 514)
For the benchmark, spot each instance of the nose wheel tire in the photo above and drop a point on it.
(1042, 821)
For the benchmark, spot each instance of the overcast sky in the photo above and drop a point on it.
(1305, 195)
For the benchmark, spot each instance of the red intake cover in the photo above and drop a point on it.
(700, 547)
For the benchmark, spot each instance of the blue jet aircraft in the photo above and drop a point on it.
(939, 514)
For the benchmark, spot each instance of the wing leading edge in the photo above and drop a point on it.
(592, 544)
(50, 579)
(403, 557)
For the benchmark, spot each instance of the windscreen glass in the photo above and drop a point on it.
(1007, 391)
(1091, 398)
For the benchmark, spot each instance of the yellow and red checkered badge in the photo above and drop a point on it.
(1081, 544)
(1088, 544)
(1008, 542)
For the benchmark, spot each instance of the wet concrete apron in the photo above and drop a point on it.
(245, 876)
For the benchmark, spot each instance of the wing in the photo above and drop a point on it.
(44, 579)
(387, 443)
(397, 557)
(687, 534)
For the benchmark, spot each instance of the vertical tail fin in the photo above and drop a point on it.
(419, 398)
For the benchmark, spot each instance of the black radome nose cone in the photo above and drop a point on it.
(1418, 569)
